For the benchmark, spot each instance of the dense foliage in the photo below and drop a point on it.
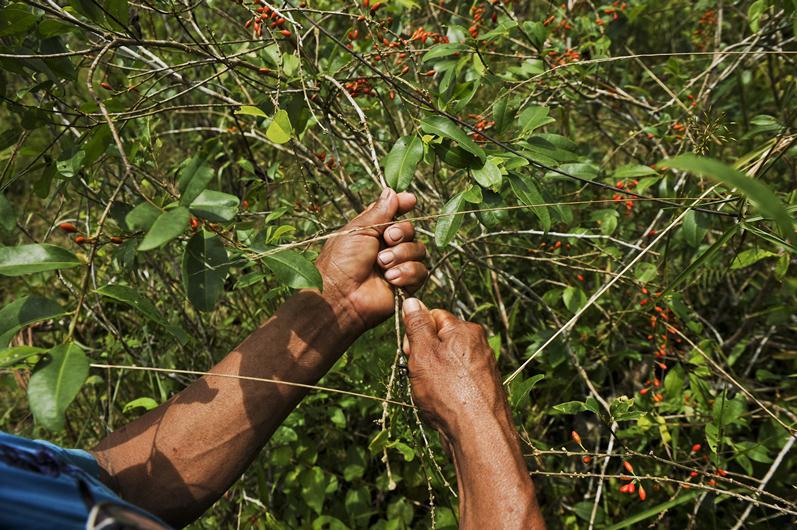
(608, 188)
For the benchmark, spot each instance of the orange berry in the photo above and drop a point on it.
(286, 32)
(69, 228)
(80, 240)
(642, 493)
(586, 459)
(576, 437)
(628, 467)
(106, 86)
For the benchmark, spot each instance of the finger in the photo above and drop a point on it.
(407, 202)
(399, 233)
(379, 213)
(401, 253)
(404, 274)
(419, 324)
(445, 321)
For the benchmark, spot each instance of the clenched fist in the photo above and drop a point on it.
(456, 386)
(452, 368)
(370, 255)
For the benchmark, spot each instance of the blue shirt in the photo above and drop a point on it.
(40, 485)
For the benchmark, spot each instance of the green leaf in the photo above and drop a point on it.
(89, 9)
(750, 257)
(632, 171)
(532, 118)
(166, 227)
(27, 259)
(248, 110)
(117, 13)
(215, 206)
(55, 382)
(280, 130)
(519, 389)
(19, 355)
(193, 180)
(694, 228)
(145, 403)
(645, 272)
(142, 216)
(401, 161)
(15, 18)
(205, 267)
(491, 214)
(473, 194)
(136, 300)
(758, 193)
(443, 50)
(8, 217)
(654, 511)
(528, 194)
(24, 311)
(574, 299)
(448, 224)
(569, 407)
(442, 126)
(488, 176)
(294, 270)
(754, 13)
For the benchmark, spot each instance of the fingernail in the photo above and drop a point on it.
(411, 305)
(392, 274)
(386, 257)
(395, 233)
(386, 193)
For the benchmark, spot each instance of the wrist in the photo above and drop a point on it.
(480, 421)
(349, 320)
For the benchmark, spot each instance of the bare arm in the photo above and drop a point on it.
(456, 385)
(181, 457)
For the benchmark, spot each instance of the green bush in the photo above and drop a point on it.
(169, 171)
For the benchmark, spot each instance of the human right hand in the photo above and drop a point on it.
(456, 386)
(452, 369)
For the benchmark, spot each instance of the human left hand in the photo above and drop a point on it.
(360, 267)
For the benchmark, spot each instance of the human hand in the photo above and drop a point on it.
(359, 267)
(452, 369)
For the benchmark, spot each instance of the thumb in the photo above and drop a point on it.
(381, 212)
(420, 326)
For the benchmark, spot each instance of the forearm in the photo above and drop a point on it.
(495, 490)
(179, 458)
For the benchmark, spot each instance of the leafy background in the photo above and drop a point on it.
(608, 188)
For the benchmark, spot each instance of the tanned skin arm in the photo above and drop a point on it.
(179, 458)
(456, 385)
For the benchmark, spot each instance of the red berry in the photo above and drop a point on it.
(628, 467)
(106, 86)
(696, 448)
(286, 33)
(69, 228)
(642, 493)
